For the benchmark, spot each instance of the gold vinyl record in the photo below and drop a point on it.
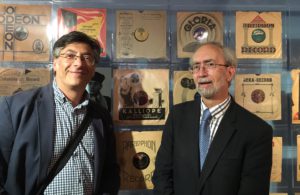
(260, 94)
(184, 87)
(136, 153)
(194, 28)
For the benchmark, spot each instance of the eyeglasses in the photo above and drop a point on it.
(206, 65)
(71, 57)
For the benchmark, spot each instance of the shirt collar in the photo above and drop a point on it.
(58, 95)
(217, 110)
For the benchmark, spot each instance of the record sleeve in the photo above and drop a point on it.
(295, 74)
(260, 94)
(13, 80)
(258, 35)
(136, 154)
(141, 96)
(280, 194)
(298, 157)
(194, 28)
(276, 172)
(24, 33)
(141, 34)
(91, 21)
(184, 87)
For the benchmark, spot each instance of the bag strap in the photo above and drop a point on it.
(67, 153)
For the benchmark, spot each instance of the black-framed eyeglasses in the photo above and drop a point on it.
(71, 57)
(206, 65)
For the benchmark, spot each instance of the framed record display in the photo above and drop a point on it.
(141, 96)
(24, 33)
(184, 87)
(136, 154)
(194, 28)
(276, 172)
(258, 35)
(141, 34)
(91, 21)
(13, 80)
(260, 94)
(295, 75)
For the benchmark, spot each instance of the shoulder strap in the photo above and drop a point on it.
(67, 153)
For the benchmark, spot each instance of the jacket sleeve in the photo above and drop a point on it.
(163, 173)
(7, 135)
(255, 176)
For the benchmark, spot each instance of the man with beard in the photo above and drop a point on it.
(211, 145)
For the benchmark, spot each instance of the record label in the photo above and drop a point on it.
(136, 153)
(195, 28)
(260, 94)
(24, 31)
(259, 35)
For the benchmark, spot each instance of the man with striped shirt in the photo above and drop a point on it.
(213, 146)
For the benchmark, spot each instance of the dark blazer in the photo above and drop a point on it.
(26, 134)
(238, 162)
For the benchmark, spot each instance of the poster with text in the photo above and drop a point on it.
(141, 96)
(276, 172)
(91, 21)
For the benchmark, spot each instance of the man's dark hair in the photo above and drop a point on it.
(77, 37)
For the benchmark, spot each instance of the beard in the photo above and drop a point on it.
(207, 93)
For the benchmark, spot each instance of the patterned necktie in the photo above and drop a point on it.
(204, 135)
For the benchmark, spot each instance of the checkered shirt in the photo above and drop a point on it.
(77, 176)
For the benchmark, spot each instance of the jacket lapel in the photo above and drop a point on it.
(224, 133)
(45, 114)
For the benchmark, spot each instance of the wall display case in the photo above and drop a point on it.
(151, 39)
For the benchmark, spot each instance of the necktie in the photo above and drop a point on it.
(204, 135)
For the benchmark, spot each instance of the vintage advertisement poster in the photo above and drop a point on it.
(13, 80)
(276, 172)
(91, 21)
(136, 153)
(194, 28)
(258, 35)
(25, 33)
(141, 96)
(295, 75)
(141, 34)
(260, 94)
(184, 87)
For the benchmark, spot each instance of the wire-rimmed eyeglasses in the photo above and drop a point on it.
(71, 57)
(206, 65)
